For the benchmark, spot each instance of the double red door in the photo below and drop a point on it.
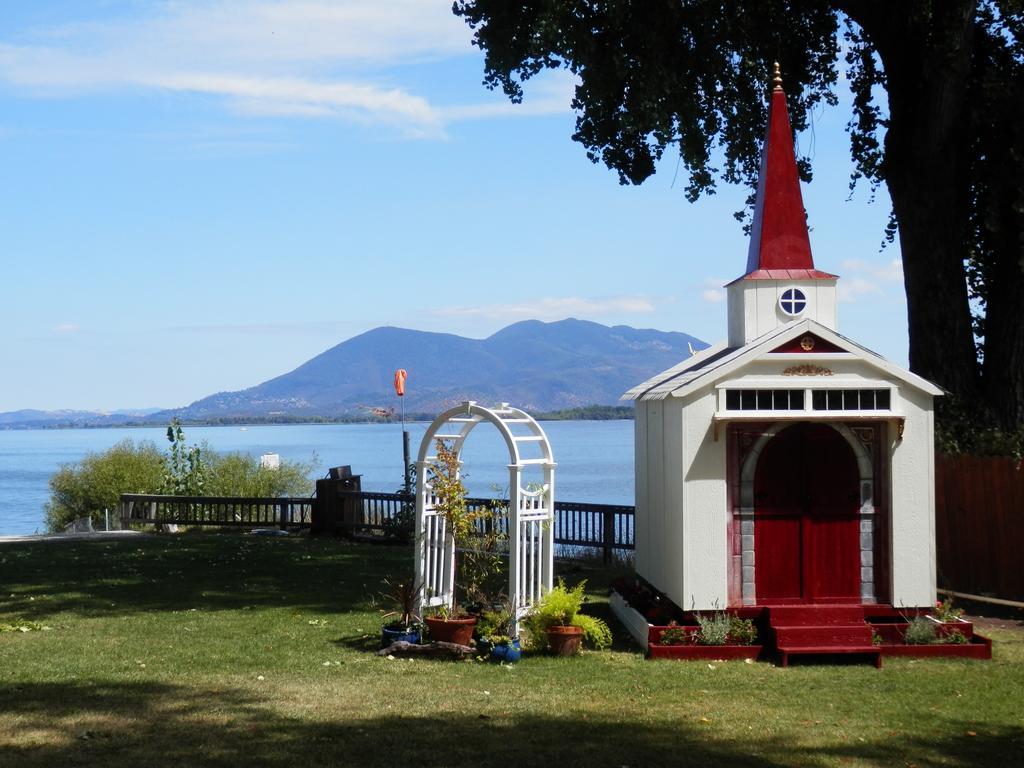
(807, 529)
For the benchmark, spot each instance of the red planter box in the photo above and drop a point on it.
(979, 648)
(890, 633)
(705, 652)
(944, 628)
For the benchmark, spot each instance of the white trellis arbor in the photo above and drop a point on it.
(530, 512)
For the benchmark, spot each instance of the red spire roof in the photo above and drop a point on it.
(779, 246)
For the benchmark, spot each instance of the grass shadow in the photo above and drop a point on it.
(131, 724)
(170, 573)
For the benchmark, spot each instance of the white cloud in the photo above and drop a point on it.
(301, 97)
(863, 278)
(298, 59)
(65, 328)
(549, 93)
(553, 308)
(890, 271)
(852, 288)
(713, 292)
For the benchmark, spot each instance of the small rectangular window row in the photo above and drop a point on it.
(764, 399)
(850, 400)
(821, 400)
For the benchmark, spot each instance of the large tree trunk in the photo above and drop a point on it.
(1003, 373)
(926, 57)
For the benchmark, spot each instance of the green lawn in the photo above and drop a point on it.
(233, 650)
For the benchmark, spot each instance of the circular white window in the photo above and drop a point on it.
(792, 302)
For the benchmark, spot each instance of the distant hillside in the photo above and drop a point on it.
(33, 419)
(537, 366)
(542, 367)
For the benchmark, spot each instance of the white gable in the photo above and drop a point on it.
(721, 361)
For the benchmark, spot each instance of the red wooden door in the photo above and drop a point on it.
(806, 531)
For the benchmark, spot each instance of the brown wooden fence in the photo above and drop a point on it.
(979, 520)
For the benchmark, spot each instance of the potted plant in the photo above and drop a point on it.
(449, 623)
(404, 595)
(494, 628)
(557, 618)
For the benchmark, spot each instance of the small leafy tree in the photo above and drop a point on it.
(451, 506)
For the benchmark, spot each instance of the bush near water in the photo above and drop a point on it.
(87, 487)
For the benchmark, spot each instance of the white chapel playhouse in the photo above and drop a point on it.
(788, 464)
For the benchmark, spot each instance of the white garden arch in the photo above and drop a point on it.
(530, 512)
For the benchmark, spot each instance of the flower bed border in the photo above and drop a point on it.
(979, 648)
(648, 637)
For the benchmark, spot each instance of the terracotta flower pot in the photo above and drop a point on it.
(565, 641)
(458, 631)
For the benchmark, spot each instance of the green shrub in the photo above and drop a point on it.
(238, 474)
(742, 631)
(596, 633)
(920, 631)
(96, 482)
(714, 629)
(675, 636)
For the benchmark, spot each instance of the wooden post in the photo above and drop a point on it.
(284, 516)
(405, 455)
(608, 537)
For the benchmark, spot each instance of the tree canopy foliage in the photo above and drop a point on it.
(936, 87)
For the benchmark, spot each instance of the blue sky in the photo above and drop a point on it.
(198, 196)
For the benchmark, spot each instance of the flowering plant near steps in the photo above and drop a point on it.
(945, 611)
(675, 635)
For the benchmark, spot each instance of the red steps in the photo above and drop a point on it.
(821, 630)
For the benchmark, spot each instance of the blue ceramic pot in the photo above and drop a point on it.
(507, 652)
(389, 635)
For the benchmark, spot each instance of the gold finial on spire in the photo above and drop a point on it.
(777, 77)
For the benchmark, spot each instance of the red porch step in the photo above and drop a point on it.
(831, 635)
(821, 630)
(816, 615)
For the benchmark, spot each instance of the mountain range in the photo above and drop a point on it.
(534, 365)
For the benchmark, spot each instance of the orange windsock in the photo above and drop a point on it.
(400, 376)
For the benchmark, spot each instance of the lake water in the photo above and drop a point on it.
(595, 458)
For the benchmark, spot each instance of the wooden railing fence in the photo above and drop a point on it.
(979, 521)
(607, 527)
(286, 512)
